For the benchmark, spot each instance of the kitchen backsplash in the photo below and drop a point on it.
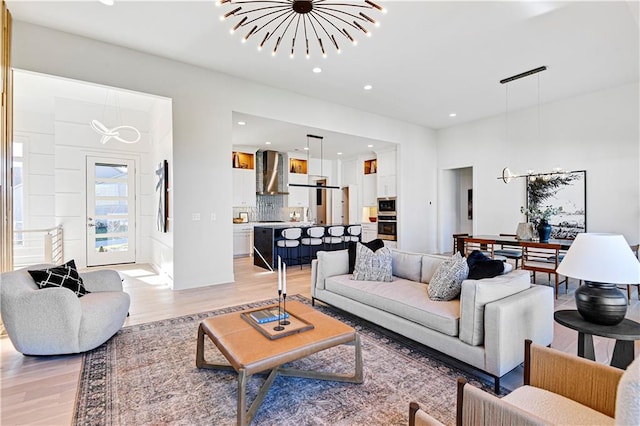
(270, 208)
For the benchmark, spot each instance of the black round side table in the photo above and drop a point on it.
(625, 333)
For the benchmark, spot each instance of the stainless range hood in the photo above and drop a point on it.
(273, 177)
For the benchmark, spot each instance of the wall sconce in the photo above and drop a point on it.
(508, 176)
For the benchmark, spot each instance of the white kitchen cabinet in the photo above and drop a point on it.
(298, 196)
(369, 231)
(369, 190)
(387, 186)
(350, 171)
(244, 188)
(242, 240)
(386, 173)
(386, 163)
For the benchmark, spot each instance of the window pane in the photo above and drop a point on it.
(106, 207)
(111, 171)
(111, 189)
(112, 244)
(109, 226)
(18, 150)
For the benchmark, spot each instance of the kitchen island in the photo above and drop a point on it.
(265, 238)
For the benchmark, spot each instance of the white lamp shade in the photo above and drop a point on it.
(603, 258)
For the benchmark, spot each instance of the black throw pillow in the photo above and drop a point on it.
(372, 245)
(64, 276)
(476, 257)
(481, 266)
(489, 269)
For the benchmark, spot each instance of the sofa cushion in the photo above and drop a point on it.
(404, 298)
(372, 266)
(430, 264)
(477, 293)
(331, 263)
(63, 276)
(555, 409)
(406, 265)
(446, 282)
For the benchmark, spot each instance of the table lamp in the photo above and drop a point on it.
(601, 261)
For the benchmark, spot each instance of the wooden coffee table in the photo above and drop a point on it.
(249, 352)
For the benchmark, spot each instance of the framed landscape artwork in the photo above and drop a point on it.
(566, 195)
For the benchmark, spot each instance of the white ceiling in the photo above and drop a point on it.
(427, 59)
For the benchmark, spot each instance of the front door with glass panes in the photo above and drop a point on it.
(111, 211)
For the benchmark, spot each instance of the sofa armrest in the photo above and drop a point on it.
(419, 417)
(314, 276)
(587, 382)
(509, 321)
(39, 321)
(102, 280)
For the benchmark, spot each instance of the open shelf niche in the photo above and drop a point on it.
(297, 165)
(370, 166)
(242, 160)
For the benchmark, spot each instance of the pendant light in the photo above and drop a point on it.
(118, 133)
(307, 185)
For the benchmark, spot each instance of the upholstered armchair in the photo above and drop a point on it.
(54, 321)
(559, 388)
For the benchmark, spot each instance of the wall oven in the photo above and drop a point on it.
(387, 219)
(387, 206)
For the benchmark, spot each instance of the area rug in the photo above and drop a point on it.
(146, 375)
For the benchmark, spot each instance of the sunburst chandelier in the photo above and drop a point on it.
(307, 20)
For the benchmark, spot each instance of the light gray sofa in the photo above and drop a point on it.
(54, 321)
(484, 328)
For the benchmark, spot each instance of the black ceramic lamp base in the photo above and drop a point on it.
(601, 303)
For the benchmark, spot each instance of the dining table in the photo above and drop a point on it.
(509, 240)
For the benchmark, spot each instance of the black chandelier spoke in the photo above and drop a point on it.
(274, 18)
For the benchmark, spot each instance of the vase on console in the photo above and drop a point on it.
(544, 231)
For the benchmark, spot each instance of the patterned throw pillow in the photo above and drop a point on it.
(447, 280)
(65, 276)
(372, 266)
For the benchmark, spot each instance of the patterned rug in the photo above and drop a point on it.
(146, 375)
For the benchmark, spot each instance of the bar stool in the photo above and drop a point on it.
(353, 233)
(291, 239)
(336, 236)
(314, 237)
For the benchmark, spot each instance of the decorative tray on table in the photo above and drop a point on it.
(258, 320)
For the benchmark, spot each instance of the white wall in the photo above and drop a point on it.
(203, 102)
(596, 132)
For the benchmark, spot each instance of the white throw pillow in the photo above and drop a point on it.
(372, 266)
(447, 281)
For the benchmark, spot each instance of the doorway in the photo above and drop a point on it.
(456, 205)
(321, 202)
(111, 211)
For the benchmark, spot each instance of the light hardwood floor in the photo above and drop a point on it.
(42, 390)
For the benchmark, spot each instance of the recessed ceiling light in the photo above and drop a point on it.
(306, 148)
(267, 143)
(107, 2)
(453, 114)
(339, 153)
(242, 123)
(369, 146)
(317, 70)
(368, 87)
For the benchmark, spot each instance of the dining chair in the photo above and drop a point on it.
(484, 245)
(634, 249)
(456, 238)
(543, 257)
(511, 252)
